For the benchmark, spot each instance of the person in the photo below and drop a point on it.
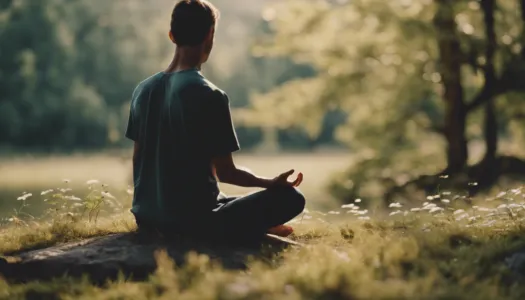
(184, 138)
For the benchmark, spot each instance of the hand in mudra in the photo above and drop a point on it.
(282, 180)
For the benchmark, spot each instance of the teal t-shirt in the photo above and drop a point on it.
(180, 121)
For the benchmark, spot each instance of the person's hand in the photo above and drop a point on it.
(282, 180)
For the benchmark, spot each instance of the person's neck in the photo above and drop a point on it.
(186, 58)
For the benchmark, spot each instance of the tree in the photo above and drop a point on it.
(410, 74)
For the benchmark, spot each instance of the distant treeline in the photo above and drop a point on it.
(68, 68)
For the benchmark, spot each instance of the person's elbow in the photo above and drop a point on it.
(225, 169)
(225, 175)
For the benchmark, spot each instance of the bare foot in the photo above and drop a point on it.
(281, 230)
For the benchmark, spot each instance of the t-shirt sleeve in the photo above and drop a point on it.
(222, 138)
(132, 131)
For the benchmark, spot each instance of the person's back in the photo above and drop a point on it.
(171, 114)
(184, 138)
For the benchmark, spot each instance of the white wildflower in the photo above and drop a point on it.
(461, 217)
(347, 205)
(425, 204)
(65, 190)
(429, 206)
(415, 209)
(446, 193)
(484, 209)
(435, 209)
(107, 195)
(459, 211)
(396, 204)
(92, 181)
(46, 192)
(72, 198)
(474, 218)
(24, 197)
(395, 213)
(357, 200)
(445, 201)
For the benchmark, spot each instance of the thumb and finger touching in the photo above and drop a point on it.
(296, 182)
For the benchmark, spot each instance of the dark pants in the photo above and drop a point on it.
(249, 215)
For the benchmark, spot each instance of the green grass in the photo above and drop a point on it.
(434, 251)
(36, 174)
(418, 256)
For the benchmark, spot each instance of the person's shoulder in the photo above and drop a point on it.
(146, 84)
(203, 86)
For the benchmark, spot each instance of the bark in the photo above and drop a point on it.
(522, 10)
(450, 68)
(490, 124)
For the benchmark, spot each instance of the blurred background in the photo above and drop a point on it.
(378, 100)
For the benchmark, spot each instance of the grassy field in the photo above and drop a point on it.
(418, 255)
(440, 250)
(33, 175)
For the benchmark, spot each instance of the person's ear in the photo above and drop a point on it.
(171, 37)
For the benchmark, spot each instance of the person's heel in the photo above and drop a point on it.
(281, 230)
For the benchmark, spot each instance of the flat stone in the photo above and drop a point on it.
(132, 254)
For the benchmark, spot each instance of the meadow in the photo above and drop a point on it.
(33, 175)
(436, 249)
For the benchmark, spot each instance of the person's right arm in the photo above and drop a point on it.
(217, 138)
(227, 172)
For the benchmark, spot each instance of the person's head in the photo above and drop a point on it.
(193, 25)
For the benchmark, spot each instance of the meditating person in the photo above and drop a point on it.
(184, 139)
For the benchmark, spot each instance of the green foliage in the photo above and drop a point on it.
(379, 63)
(68, 68)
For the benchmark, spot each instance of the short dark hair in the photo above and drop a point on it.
(192, 20)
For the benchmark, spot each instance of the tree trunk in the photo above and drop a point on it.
(450, 69)
(490, 123)
(522, 10)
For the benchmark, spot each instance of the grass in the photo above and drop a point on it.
(420, 254)
(441, 249)
(36, 174)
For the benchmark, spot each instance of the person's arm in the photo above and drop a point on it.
(221, 140)
(227, 172)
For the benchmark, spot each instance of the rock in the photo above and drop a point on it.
(103, 258)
